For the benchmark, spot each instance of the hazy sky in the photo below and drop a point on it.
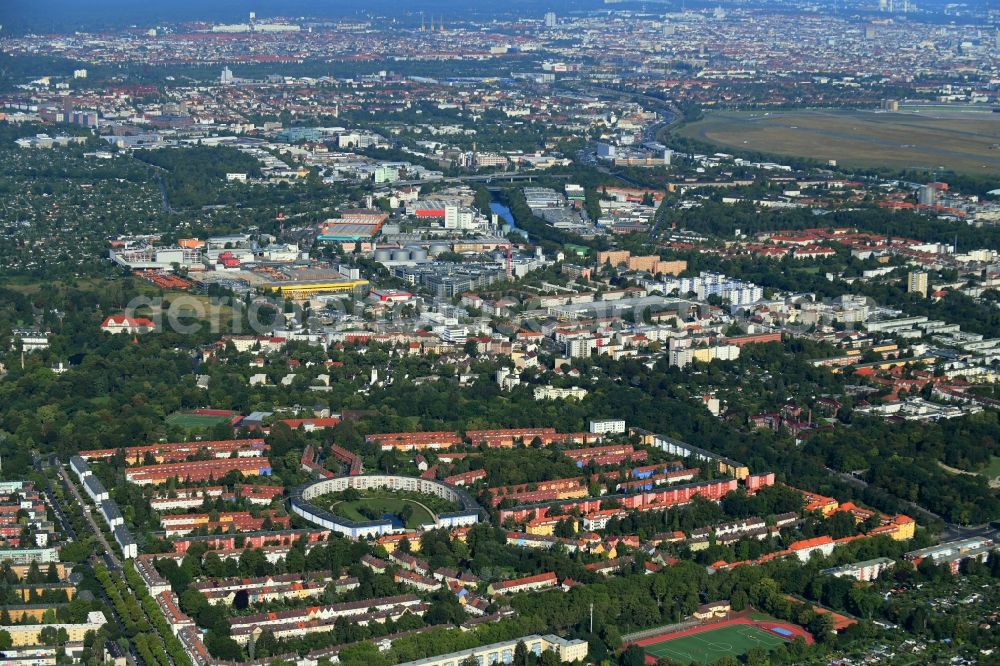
(61, 15)
(42, 16)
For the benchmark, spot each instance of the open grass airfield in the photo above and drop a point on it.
(964, 139)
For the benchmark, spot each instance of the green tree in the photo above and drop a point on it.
(821, 626)
(266, 644)
(48, 636)
(521, 654)
(222, 646)
(632, 656)
(550, 658)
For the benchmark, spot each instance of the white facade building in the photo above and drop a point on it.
(607, 426)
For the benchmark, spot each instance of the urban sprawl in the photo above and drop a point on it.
(639, 334)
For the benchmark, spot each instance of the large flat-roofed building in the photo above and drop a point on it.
(683, 449)
(862, 571)
(347, 231)
(364, 216)
(156, 258)
(22, 570)
(28, 656)
(46, 141)
(649, 263)
(30, 634)
(304, 289)
(353, 225)
(568, 650)
(916, 283)
(604, 426)
(29, 339)
(25, 556)
(447, 280)
(468, 512)
(549, 392)
(953, 553)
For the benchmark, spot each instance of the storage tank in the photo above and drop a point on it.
(401, 254)
(383, 255)
(418, 254)
(438, 248)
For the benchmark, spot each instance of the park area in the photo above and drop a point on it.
(404, 509)
(703, 644)
(962, 139)
(992, 472)
(199, 419)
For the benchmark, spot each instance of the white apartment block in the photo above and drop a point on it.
(503, 653)
(555, 393)
(607, 426)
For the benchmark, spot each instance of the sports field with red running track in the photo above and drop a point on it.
(708, 642)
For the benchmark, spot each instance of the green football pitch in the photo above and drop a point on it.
(191, 422)
(708, 646)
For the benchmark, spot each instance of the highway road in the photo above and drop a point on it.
(670, 117)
